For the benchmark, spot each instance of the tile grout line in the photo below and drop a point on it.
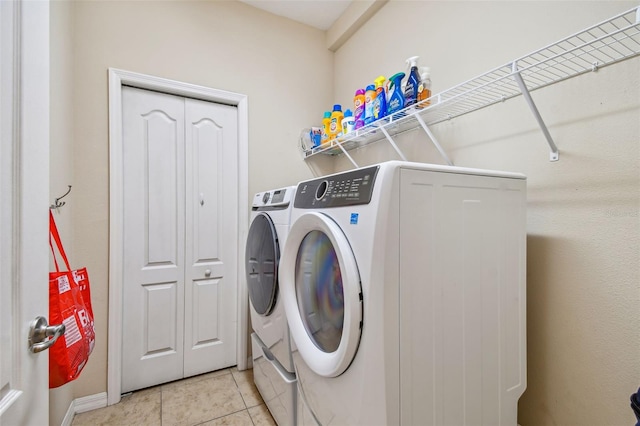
(243, 400)
(240, 392)
(226, 415)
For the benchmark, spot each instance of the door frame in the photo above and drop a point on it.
(118, 78)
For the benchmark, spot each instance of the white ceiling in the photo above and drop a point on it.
(320, 14)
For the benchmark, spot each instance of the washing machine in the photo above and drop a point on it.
(273, 369)
(404, 289)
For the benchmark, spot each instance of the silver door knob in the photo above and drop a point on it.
(207, 273)
(39, 330)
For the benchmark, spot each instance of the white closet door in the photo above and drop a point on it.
(212, 236)
(154, 223)
(181, 237)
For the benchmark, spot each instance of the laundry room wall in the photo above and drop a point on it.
(583, 211)
(61, 154)
(281, 65)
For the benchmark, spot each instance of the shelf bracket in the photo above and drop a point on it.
(393, 144)
(433, 139)
(344, 151)
(554, 155)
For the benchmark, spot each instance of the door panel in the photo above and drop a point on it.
(153, 287)
(160, 185)
(206, 136)
(204, 313)
(212, 234)
(160, 314)
(24, 191)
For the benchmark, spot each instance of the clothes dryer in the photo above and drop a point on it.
(404, 290)
(273, 369)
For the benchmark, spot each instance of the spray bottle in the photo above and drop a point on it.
(380, 102)
(396, 96)
(413, 81)
(424, 89)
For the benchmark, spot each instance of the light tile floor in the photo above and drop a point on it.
(224, 397)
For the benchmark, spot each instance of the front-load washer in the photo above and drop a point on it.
(404, 289)
(273, 369)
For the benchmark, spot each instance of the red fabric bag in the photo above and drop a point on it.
(69, 304)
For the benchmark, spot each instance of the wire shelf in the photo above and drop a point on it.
(606, 43)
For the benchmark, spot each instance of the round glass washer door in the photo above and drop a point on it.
(321, 291)
(262, 255)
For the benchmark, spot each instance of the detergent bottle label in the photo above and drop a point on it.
(368, 108)
(394, 104)
(333, 126)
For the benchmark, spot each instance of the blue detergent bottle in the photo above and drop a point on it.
(380, 102)
(413, 82)
(396, 97)
(369, 97)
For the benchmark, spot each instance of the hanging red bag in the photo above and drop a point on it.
(69, 304)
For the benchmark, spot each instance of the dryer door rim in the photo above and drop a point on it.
(326, 364)
(263, 300)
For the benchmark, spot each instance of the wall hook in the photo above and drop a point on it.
(57, 204)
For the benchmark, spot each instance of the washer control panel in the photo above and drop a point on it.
(272, 200)
(344, 189)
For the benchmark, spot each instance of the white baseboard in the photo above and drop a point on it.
(91, 402)
(68, 418)
(82, 405)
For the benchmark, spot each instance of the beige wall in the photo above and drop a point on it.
(583, 258)
(282, 66)
(583, 212)
(61, 154)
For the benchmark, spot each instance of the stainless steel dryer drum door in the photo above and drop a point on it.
(322, 295)
(262, 256)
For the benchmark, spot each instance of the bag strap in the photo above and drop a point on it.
(53, 253)
(53, 232)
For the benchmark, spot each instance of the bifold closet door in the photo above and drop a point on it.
(212, 236)
(179, 293)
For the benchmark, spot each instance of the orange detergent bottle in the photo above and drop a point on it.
(326, 121)
(335, 125)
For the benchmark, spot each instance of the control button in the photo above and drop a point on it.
(265, 197)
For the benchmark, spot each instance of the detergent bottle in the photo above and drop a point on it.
(358, 103)
(380, 102)
(413, 81)
(335, 126)
(369, 97)
(424, 89)
(396, 96)
(348, 123)
(326, 121)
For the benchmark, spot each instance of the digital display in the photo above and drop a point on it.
(278, 196)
